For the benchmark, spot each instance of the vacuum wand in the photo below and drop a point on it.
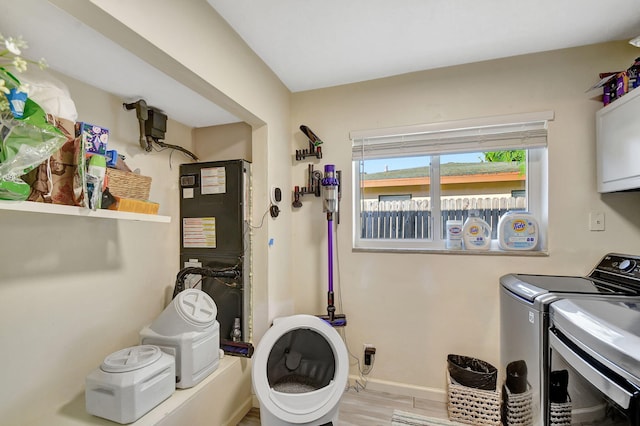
(331, 309)
(330, 206)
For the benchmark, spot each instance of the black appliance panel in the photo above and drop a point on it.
(218, 191)
(214, 207)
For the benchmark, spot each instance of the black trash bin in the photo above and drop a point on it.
(472, 372)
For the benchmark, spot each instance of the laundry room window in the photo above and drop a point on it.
(409, 181)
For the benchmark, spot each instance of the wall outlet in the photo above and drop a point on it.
(369, 353)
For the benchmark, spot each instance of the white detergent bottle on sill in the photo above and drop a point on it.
(518, 230)
(476, 233)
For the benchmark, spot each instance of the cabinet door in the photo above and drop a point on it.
(618, 144)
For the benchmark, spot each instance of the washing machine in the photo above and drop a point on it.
(525, 301)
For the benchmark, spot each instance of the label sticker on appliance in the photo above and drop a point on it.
(213, 180)
(199, 232)
(531, 318)
(187, 192)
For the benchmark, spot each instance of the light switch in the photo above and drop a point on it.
(596, 221)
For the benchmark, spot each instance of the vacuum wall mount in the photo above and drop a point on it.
(314, 149)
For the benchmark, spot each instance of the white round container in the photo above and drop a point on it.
(476, 234)
(517, 230)
(454, 235)
(190, 310)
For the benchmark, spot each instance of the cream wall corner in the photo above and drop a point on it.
(417, 308)
(75, 289)
(80, 289)
(232, 76)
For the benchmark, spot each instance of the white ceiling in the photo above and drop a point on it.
(76, 50)
(313, 44)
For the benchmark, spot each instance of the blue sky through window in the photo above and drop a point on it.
(380, 165)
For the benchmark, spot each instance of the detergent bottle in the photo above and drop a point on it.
(518, 230)
(476, 233)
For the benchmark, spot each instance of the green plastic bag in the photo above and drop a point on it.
(24, 144)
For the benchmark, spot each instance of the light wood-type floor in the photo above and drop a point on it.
(370, 408)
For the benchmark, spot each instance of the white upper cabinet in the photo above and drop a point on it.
(618, 144)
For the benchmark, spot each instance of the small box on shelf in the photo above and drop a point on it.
(134, 206)
(94, 138)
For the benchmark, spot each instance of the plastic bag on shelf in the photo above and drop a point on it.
(50, 93)
(24, 144)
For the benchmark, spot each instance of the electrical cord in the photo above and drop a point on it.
(361, 383)
(186, 152)
(172, 150)
(261, 220)
(231, 272)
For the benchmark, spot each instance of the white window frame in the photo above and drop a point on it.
(518, 131)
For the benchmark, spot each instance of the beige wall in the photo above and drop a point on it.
(204, 53)
(417, 308)
(225, 142)
(75, 289)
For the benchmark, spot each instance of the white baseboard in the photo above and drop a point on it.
(431, 394)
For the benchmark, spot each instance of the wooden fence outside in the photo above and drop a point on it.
(411, 219)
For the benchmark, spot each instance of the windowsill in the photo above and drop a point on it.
(523, 253)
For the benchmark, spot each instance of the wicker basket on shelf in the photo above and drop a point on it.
(128, 185)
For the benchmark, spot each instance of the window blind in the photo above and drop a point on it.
(518, 131)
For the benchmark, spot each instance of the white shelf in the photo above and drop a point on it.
(228, 378)
(33, 207)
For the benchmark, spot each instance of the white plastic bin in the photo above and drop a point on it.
(190, 310)
(197, 353)
(188, 330)
(130, 383)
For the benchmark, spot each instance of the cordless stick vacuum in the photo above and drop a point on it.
(330, 206)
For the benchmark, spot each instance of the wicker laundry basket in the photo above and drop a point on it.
(560, 414)
(517, 407)
(473, 406)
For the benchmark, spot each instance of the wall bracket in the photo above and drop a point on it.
(314, 149)
(313, 186)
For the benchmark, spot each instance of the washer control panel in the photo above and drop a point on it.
(624, 265)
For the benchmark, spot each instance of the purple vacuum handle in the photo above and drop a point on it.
(331, 309)
(330, 249)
